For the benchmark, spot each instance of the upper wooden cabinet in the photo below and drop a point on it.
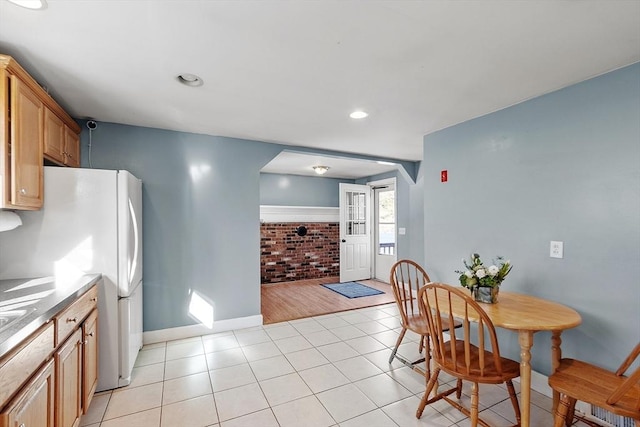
(61, 143)
(54, 131)
(71, 150)
(32, 127)
(26, 147)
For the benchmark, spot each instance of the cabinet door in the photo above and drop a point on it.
(34, 405)
(54, 137)
(71, 148)
(27, 172)
(89, 359)
(68, 385)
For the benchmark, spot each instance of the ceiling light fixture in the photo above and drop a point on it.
(358, 114)
(321, 170)
(190, 80)
(30, 4)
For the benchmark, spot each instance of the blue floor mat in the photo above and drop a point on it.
(352, 289)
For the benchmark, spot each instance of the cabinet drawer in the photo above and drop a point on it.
(16, 368)
(72, 316)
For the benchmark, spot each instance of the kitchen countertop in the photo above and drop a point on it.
(27, 304)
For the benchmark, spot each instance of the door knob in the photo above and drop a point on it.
(344, 241)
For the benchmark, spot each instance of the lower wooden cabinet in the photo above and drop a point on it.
(76, 363)
(34, 405)
(50, 378)
(68, 381)
(89, 359)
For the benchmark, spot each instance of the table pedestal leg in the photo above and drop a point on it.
(526, 341)
(556, 355)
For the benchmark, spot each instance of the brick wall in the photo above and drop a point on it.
(285, 256)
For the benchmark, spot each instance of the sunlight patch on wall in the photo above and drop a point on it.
(201, 310)
(198, 172)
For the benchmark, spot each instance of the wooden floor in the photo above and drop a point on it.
(306, 298)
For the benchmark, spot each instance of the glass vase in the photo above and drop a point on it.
(486, 294)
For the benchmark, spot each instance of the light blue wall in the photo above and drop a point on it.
(416, 217)
(564, 166)
(407, 213)
(201, 197)
(294, 190)
(201, 217)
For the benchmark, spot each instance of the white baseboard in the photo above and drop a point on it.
(161, 335)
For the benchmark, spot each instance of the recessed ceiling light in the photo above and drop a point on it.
(30, 4)
(190, 80)
(321, 170)
(358, 114)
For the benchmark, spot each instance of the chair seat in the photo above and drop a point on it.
(419, 325)
(594, 385)
(489, 375)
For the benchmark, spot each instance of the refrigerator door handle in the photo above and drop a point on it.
(136, 243)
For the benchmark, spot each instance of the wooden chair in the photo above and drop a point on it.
(479, 363)
(407, 277)
(612, 391)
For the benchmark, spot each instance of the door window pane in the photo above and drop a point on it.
(386, 222)
(356, 213)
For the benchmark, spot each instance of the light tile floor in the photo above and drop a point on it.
(329, 370)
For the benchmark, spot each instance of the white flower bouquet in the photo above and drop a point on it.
(477, 275)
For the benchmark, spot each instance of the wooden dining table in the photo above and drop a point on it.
(527, 314)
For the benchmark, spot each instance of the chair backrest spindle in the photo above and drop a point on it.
(407, 277)
(478, 337)
(468, 351)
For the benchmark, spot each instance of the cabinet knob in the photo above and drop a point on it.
(85, 342)
(72, 319)
(90, 334)
(22, 425)
(94, 299)
(23, 191)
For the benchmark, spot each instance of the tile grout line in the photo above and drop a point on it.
(270, 339)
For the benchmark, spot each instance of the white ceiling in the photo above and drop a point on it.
(291, 71)
(339, 167)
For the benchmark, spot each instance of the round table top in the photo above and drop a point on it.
(528, 313)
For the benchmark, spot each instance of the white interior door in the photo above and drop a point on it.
(384, 230)
(355, 232)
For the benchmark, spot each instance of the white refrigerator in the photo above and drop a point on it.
(91, 222)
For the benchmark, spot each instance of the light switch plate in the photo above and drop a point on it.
(556, 249)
